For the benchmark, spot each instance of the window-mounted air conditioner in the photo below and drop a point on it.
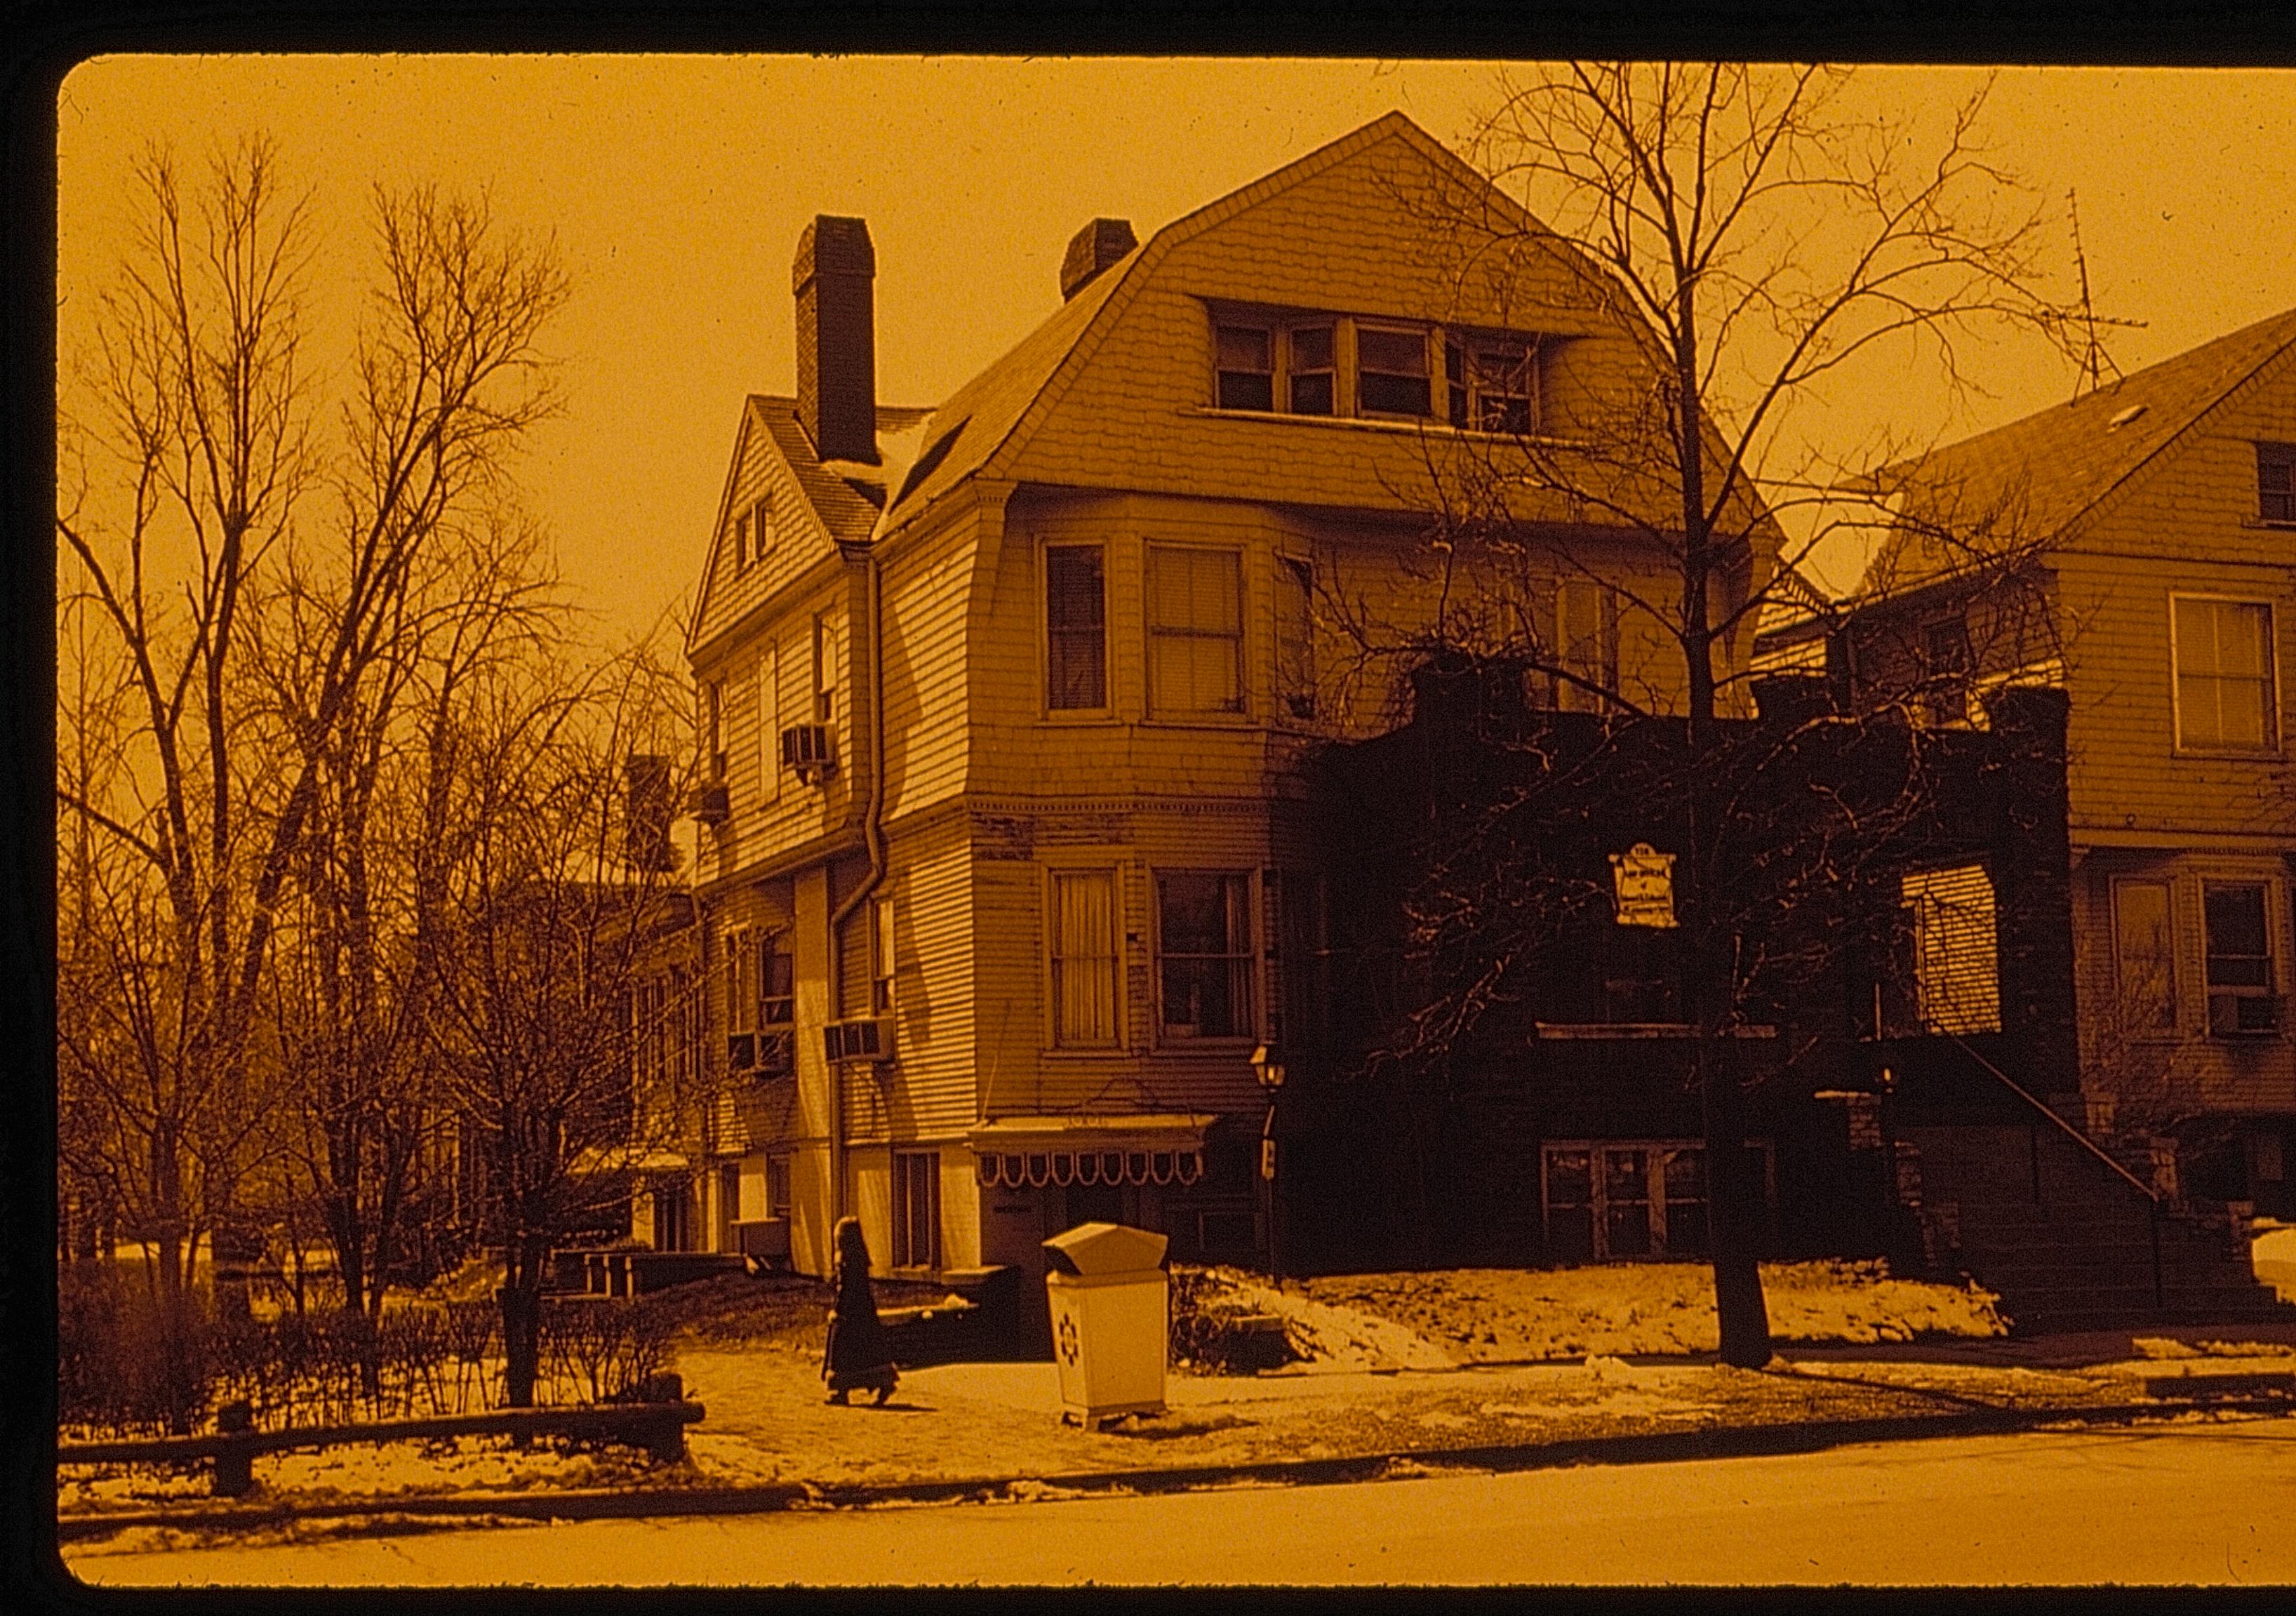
(810, 751)
(776, 1056)
(2234, 1015)
(867, 1038)
(711, 804)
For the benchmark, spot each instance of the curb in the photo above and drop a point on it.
(1646, 1447)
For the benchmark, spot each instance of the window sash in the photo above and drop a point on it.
(1083, 959)
(2144, 945)
(2239, 936)
(2224, 675)
(776, 983)
(1245, 362)
(916, 1210)
(1195, 629)
(1076, 631)
(1392, 376)
(2276, 481)
(1203, 941)
(1295, 638)
(881, 956)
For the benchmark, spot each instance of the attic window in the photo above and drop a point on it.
(1247, 367)
(1391, 371)
(2125, 416)
(2276, 481)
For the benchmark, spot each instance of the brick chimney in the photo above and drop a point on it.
(1092, 250)
(837, 338)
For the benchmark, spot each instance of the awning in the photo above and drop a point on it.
(599, 1163)
(1031, 1152)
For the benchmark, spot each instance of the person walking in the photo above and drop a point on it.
(857, 1358)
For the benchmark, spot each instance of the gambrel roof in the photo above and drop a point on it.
(2039, 478)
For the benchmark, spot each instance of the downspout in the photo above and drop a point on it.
(872, 831)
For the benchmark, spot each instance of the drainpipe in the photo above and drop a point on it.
(872, 831)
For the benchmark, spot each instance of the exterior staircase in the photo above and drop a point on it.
(2069, 1243)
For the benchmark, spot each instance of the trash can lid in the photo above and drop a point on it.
(1106, 1247)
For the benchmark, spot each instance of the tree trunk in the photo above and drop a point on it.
(1741, 1316)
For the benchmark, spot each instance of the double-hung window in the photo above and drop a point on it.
(1084, 958)
(776, 982)
(2145, 947)
(1195, 630)
(1203, 949)
(2225, 686)
(2276, 481)
(713, 728)
(880, 956)
(1295, 638)
(1391, 371)
(2240, 974)
(1493, 385)
(1586, 644)
(1311, 369)
(916, 1210)
(1246, 366)
(1076, 631)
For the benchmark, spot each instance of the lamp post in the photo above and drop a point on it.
(1268, 1068)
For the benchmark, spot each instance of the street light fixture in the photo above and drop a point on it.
(1268, 1068)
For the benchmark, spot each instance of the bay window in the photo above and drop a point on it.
(1195, 630)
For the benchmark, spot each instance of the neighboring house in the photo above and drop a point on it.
(1006, 869)
(2159, 512)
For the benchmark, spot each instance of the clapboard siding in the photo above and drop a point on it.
(926, 595)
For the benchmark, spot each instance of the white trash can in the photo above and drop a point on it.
(1109, 1299)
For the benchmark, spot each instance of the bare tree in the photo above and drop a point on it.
(549, 931)
(1759, 237)
(199, 782)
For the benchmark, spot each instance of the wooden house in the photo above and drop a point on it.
(1003, 858)
(2155, 520)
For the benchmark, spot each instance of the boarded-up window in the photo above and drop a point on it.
(1295, 641)
(1084, 958)
(2143, 940)
(1076, 636)
(1195, 630)
(1956, 973)
(2224, 675)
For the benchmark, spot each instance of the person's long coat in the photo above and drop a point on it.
(858, 1357)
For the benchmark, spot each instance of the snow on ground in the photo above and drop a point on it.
(2274, 1255)
(1500, 1314)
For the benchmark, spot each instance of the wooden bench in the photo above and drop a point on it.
(657, 1427)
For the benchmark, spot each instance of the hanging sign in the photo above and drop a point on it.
(1643, 878)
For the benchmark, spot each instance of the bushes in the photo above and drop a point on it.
(120, 1369)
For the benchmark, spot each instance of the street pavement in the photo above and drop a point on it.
(2201, 1500)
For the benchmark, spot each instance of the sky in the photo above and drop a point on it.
(675, 186)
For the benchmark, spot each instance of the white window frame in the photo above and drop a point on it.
(904, 1254)
(1568, 697)
(1054, 1037)
(2170, 1027)
(1431, 360)
(1465, 396)
(1159, 711)
(2275, 957)
(2271, 745)
(1045, 632)
(1252, 1022)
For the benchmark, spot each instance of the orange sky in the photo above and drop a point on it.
(676, 186)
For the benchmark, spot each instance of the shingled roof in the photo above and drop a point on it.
(2042, 475)
(842, 503)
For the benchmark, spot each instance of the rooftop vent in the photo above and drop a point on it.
(1093, 249)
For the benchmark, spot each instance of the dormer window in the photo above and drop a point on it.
(1493, 385)
(1391, 371)
(1312, 370)
(2276, 481)
(1247, 367)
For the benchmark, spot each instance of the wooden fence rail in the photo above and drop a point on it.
(658, 1427)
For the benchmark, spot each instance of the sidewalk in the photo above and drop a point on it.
(994, 1429)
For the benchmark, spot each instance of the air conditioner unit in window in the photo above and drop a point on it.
(776, 1054)
(711, 804)
(868, 1039)
(810, 751)
(2232, 1015)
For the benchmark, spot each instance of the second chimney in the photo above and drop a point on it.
(1092, 250)
(837, 338)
